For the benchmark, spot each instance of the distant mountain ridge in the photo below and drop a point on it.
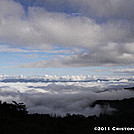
(47, 80)
(125, 105)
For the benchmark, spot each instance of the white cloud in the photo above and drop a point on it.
(30, 56)
(6, 48)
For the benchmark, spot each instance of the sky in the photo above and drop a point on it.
(68, 37)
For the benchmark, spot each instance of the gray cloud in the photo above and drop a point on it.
(108, 43)
(108, 9)
(63, 98)
(42, 29)
(124, 70)
(111, 54)
(104, 8)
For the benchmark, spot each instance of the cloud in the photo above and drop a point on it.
(111, 54)
(30, 56)
(107, 9)
(119, 70)
(45, 29)
(104, 28)
(6, 48)
(108, 40)
(63, 98)
(42, 29)
(124, 70)
(104, 8)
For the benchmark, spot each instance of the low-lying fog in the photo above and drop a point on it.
(61, 98)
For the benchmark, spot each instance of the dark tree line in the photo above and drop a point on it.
(15, 119)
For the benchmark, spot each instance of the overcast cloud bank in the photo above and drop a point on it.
(104, 28)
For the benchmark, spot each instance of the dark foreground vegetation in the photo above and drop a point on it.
(15, 119)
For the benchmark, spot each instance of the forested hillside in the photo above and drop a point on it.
(14, 118)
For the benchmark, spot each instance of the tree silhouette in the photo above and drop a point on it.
(14, 118)
(21, 107)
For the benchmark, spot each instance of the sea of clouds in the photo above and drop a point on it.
(61, 98)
